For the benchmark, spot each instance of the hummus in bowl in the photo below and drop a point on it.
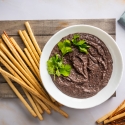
(94, 75)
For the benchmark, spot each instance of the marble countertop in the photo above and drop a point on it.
(12, 111)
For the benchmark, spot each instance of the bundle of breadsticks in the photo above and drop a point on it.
(115, 117)
(23, 68)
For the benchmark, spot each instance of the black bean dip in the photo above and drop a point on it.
(90, 72)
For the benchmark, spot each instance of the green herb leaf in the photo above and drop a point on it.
(67, 67)
(81, 42)
(58, 73)
(78, 43)
(64, 72)
(76, 36)
(74, 41)
(65, 46)
(56, 67)
(50, 66)
(57, 58)
(51, 70)
(67, 43)
(66, 50)
(83, 50)
(59, 64)
(60, 45)
(83, 47)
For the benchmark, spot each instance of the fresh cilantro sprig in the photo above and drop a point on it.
(56, 67)
(83, 47)
(65, 46)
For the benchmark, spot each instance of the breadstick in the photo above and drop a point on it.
(117, 122)
(32, 61)
(35, 93)
(13, 50)
(1, 42)
(120, 111)
(117, 109)
(42, 90)
(10, 69)
(56, 103)
(60, 104)
(33, 64)
(114, 118)
(17, 56)
(19, 96)
(43, 105)
(22, 55)
(39, 108)
(28, 47)
(7, 36)
(53, 100)
(31, 45)
(107, 115)
(33, 105)
(33, 38)
(27, 94)
(21, 69)
(35, 53)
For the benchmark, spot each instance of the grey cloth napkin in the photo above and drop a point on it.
(122, 20)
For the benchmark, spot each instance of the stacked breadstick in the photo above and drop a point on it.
(115, 117)
(23, 68)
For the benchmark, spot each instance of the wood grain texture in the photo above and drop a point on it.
(49, 27)
(43, 30)
(6, 92)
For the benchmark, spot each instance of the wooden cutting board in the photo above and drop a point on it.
(43, 30)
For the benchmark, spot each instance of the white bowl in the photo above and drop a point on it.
(101, 96)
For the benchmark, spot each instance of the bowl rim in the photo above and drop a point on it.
(95, 28)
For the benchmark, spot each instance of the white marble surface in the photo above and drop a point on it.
(12, 112)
